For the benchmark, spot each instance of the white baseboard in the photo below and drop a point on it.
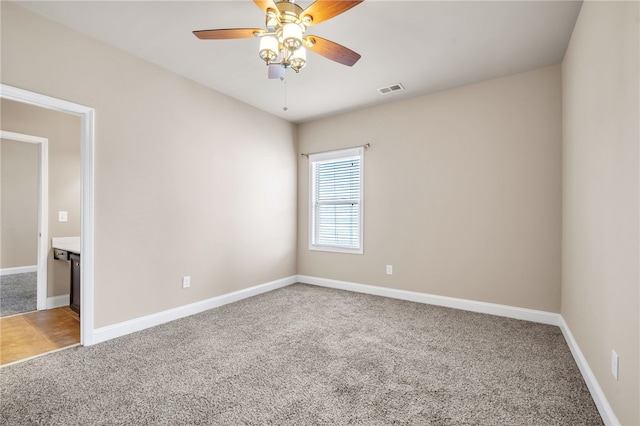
(431, 299)
(58, 301)
(121, 329)
(18, 270)
(606, 412)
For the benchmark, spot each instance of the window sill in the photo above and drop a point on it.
(336, 249)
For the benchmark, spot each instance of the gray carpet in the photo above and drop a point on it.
(18, 293)
(306, 355)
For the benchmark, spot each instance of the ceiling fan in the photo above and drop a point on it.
(283, 44)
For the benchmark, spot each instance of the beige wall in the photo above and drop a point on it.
(600, 292)
(187, 180)
(63, 134)
(462, 192)
(19, 215)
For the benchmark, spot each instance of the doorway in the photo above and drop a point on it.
(18, 209)
(86, 115)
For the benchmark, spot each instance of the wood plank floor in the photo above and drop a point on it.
(34, 333)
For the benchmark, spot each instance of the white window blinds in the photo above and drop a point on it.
(336, 201)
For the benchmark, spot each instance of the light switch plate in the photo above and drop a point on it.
(62, 216)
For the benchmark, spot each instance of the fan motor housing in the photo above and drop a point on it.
(289, 13)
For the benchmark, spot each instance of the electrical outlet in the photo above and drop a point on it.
(389, 269)
(186, 282)
(63, 216)
(615, 364)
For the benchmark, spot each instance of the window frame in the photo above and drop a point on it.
(337, 155)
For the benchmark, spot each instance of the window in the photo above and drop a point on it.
(336, 201)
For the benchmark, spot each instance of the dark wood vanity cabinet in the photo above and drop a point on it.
(75, 282)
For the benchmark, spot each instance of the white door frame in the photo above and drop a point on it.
(87, 142)
(43, 210)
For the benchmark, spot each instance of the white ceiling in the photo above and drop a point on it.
(427, 46)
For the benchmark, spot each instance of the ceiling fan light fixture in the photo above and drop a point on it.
(283, 43)
(292, 36)
(268, 48)
(298, 59)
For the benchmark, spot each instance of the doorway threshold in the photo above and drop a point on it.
(29, 335)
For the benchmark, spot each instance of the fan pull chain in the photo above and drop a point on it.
(285, 109)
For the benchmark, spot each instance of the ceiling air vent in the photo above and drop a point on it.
(390, 89)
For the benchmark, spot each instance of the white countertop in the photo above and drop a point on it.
(71, 244)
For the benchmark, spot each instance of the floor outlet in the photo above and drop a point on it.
(186, 282)
(614, 364)
(389, 269)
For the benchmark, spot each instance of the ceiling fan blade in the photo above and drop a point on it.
(265, 5)
(228, 33)
(321, 10)
(332, 50)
